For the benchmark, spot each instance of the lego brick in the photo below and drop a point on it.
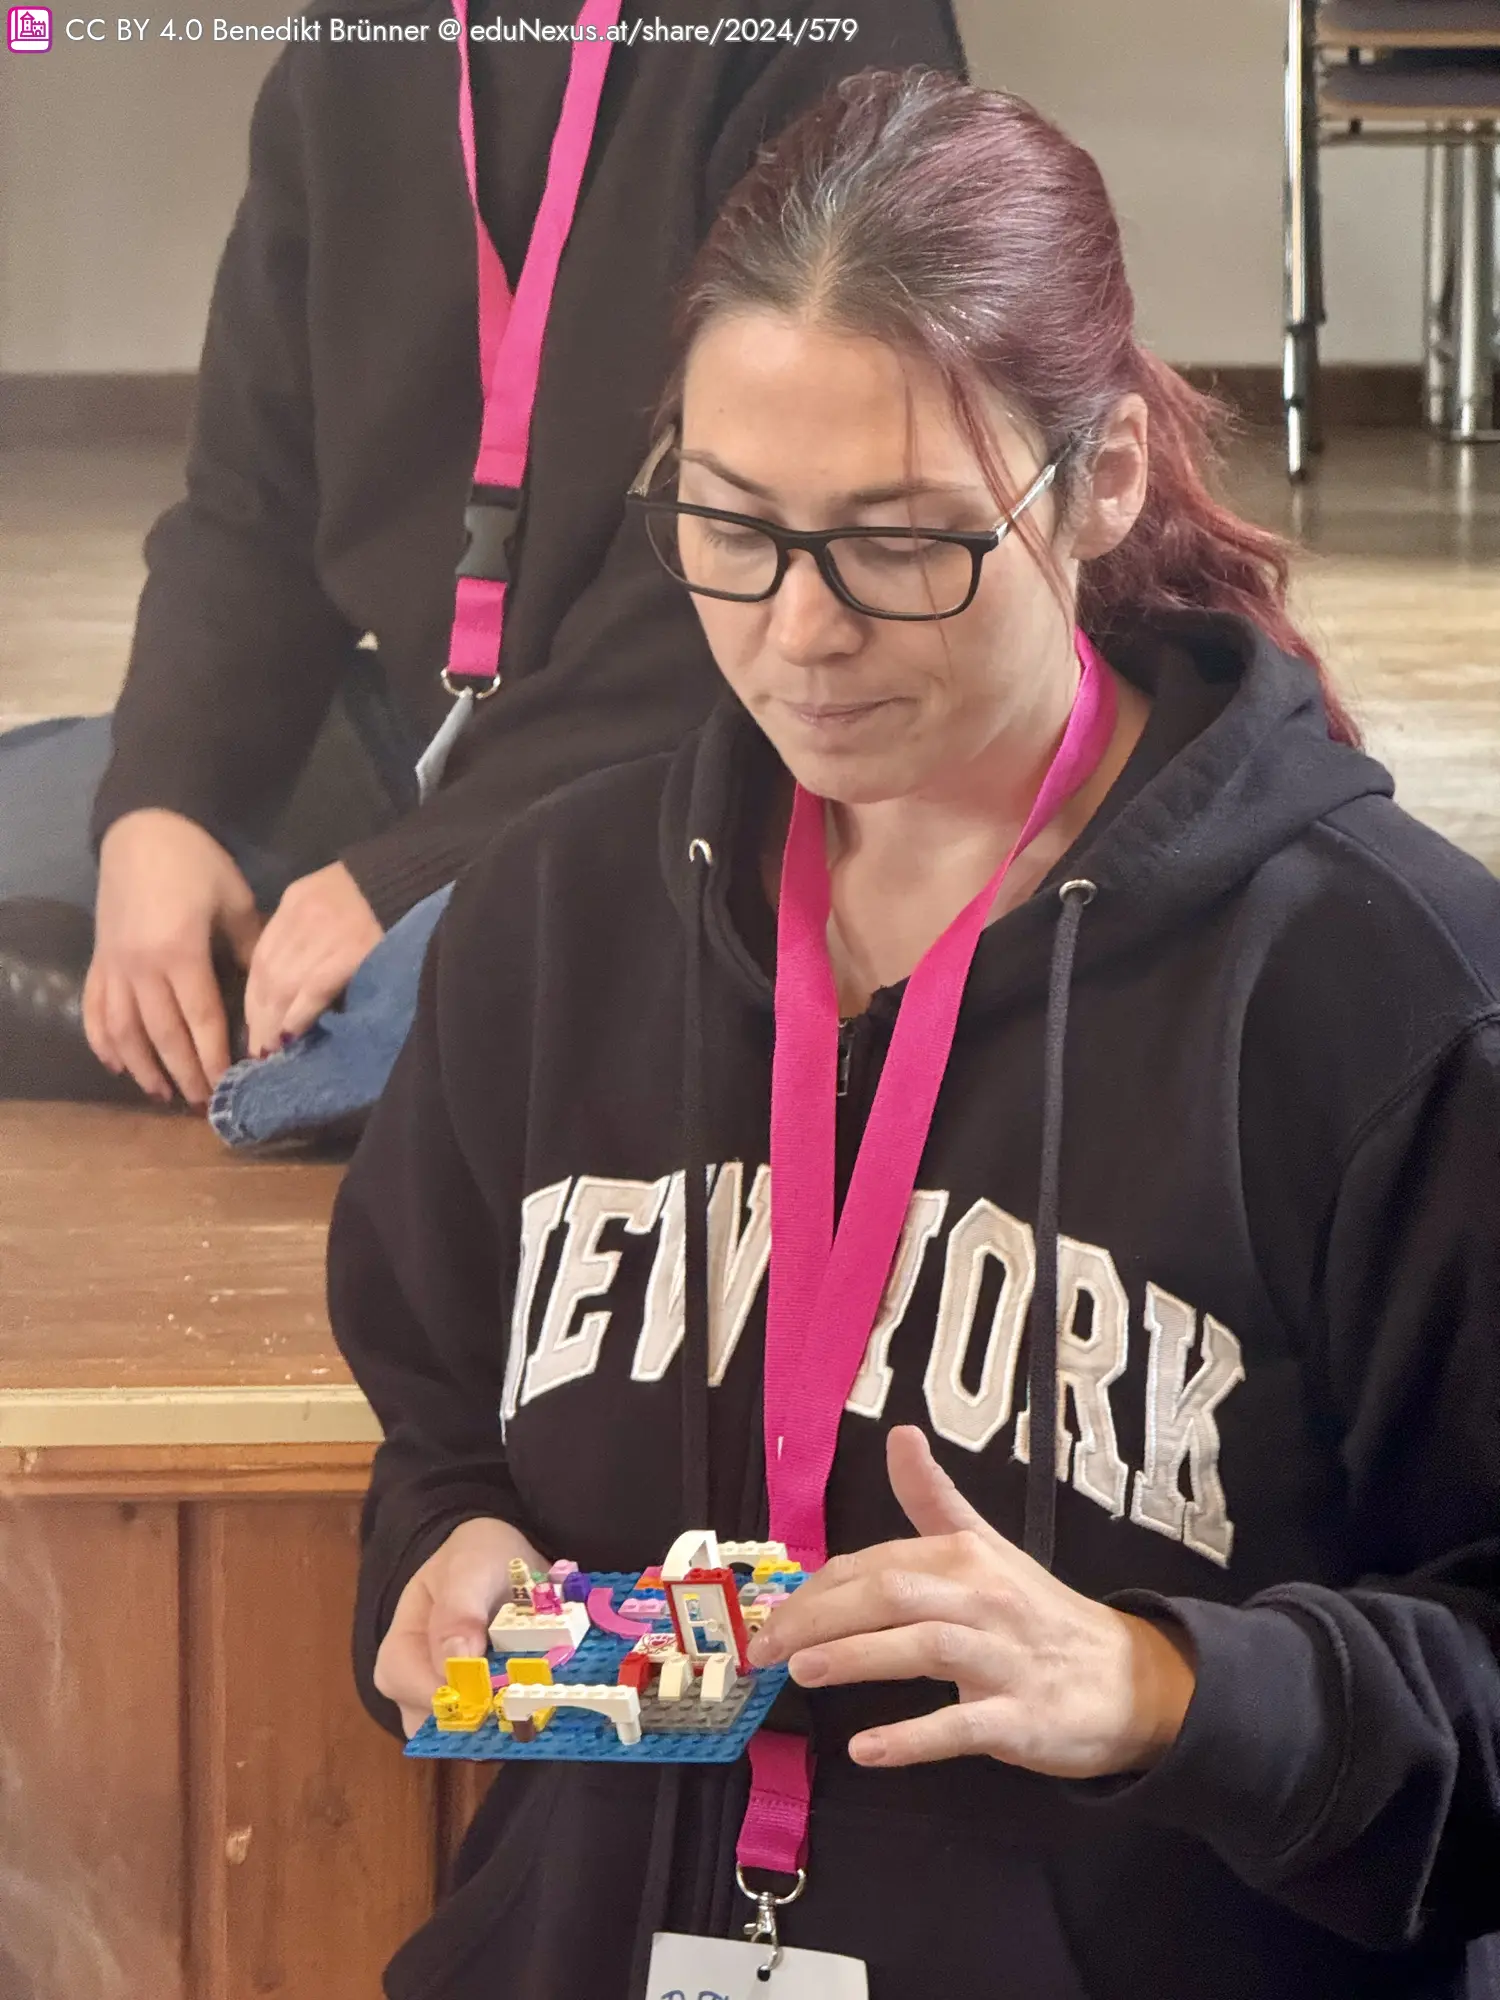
(635, 1671)
(516, 1628)
(716, 1679)
(675, 1681)
(620, 1707)
(751, 1553)
(528, 1671)
(604, 1613)
(705, 1717)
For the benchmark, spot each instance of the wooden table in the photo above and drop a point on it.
(191, 1778)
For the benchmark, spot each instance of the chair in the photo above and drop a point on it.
(1414, 72)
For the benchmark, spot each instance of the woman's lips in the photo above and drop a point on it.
(832, 717)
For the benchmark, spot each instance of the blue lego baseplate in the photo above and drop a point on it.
(578, 1736)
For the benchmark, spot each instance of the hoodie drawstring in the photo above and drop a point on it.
(657, 1885)
(1041, 1382)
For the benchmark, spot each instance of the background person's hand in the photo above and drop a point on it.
(151, 1002)
(321, 934)
(445, 1611)
(1047, 1679)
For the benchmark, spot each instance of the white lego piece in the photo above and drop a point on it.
(717, 1678)
(619, 1705)
(676, 1677)
(516, 1628)
(698, 1548)
(753, 1552)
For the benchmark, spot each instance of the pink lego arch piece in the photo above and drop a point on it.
(602, 1613)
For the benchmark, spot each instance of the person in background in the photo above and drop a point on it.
(1018, 1049)
(258, 831)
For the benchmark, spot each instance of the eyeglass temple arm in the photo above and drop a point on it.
(641, 485)
(1033, 492)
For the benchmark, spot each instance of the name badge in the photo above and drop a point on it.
(696, 1968)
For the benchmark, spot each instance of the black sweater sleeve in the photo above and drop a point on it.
(628, 672)
(420, 1276)
(237, 648)
(1342, 1751)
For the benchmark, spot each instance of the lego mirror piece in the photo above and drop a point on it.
(634, 1667)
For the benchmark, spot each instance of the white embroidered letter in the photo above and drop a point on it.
(972, 1417)
(1085, 1370)
(739, 1249)
(587, 1272)
(924, 1218)
(540, 1214)
(1180, 1425)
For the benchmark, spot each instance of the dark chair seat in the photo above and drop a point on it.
(1396, 92)
(1409, 24)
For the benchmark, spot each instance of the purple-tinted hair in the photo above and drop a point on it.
(960, 226)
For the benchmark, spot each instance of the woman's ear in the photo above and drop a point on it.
(1112, 491)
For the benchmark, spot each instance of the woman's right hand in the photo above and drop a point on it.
(445, 1611)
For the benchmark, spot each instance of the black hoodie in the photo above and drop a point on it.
(339, 404)
(1279, 1357)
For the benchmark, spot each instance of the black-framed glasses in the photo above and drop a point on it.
(910, 574)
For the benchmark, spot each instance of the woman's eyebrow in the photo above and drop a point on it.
(865, 496)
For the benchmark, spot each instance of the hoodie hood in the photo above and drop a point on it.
(1236, 762)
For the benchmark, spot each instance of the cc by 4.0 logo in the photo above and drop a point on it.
(29, 30)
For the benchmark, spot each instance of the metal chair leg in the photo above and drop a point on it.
(1474, 308)
(1299, 351)
(1437, 320)
(1313, 226)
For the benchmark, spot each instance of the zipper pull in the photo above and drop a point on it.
(846, 1051)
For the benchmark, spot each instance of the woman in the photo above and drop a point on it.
(1228, 1723)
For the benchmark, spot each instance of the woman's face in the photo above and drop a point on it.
(814, 429)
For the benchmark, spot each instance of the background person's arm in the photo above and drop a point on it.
(237, 649)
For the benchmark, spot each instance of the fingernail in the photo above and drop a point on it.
(459, 1648)
(762, 1651)
(868, 1749)
(808, 1669)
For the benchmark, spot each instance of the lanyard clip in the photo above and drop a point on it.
(489, 523)
(762, 1928)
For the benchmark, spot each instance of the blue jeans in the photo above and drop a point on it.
(329, 1077)
(357, 781)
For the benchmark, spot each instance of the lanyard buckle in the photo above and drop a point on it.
(762, 1927)
(490, 525)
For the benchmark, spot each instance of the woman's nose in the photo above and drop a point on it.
(808, 621)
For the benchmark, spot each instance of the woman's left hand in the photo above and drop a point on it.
(1046, 1679)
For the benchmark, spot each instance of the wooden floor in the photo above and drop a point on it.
(1399, 580)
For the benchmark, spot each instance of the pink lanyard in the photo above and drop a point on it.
(825, 1287)
(511, 331)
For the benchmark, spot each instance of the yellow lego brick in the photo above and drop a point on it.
(527, 1669)
(465, 1699)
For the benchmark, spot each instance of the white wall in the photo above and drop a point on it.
(1180, 102)
(119, 170)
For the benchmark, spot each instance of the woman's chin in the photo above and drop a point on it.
(842, 767)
